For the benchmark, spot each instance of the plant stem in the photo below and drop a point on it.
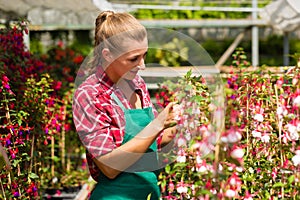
(31, 153)
(247, 117)
(279, 132)
(52, 157)
(2, 189)
(63, 152)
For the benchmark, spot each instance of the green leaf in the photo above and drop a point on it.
(167, 169)
(291, 179)
(278, 184)
(33, 176)
(149, 197)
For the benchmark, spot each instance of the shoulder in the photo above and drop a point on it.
(91, 91)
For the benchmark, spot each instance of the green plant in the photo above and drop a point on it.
(258, 154)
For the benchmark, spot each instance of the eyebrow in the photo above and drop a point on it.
(137, 55)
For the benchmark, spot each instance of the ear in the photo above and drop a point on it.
(106, 54)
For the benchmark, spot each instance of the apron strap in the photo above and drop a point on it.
(119, 102)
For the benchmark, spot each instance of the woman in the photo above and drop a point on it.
(114, 116)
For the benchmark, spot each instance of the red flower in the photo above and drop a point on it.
(78, 59)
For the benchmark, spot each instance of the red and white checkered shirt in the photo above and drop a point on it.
(99, 121)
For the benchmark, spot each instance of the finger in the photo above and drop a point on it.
(170, 105)
(171, 124)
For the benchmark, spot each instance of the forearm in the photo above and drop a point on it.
(121, 158)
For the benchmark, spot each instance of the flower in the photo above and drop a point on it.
(281, 111)
(181, 158)
(171, 186)
(265, 138)
(181, 188)
(259, 117)
(296, 101)
(230, 193)
(237, 153)
(256, 134)
(231, 136)
(181, 142)
(292, 132)
(296, 158)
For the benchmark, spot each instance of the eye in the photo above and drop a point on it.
(133, 59)
(145, 54)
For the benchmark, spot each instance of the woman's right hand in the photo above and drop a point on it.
(167, 117)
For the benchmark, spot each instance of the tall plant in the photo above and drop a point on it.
(259, 151)
(35, 119)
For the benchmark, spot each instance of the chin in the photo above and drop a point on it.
(129, 76)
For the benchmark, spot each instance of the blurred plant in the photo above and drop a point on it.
(35, 117)
(167, 56)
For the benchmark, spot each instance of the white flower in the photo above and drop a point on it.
(55, 180)
(220, 167)
(259, 117)
(232, 181)
(237, 153)
(198, 159)
(181, 142)
(293, 132)
(297, 101)
(224, 139)
(196, 111)
(256, 134)
(251, 170)
(182, 189)
(239, 169)
(230, 193)
(281, 111)
(178, 111)
(265, 138)
(234, 136)
(181, 159)
(296, 159)
(201, 169)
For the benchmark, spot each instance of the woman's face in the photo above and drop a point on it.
(127, 64)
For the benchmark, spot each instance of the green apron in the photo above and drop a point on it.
(139, 181)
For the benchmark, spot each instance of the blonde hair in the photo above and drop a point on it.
(112, 29)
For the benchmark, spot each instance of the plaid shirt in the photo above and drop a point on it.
(99, 121)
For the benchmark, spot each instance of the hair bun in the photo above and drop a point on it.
(105, 14)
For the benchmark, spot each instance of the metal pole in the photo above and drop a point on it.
(286, 49)
(255, 49)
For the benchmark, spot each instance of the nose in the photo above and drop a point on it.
(141, 65)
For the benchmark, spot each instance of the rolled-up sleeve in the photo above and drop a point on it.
(92, 122)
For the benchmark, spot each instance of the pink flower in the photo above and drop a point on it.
(171, 187)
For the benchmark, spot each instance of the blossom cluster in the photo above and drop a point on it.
(257, 155)
(35, 116)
